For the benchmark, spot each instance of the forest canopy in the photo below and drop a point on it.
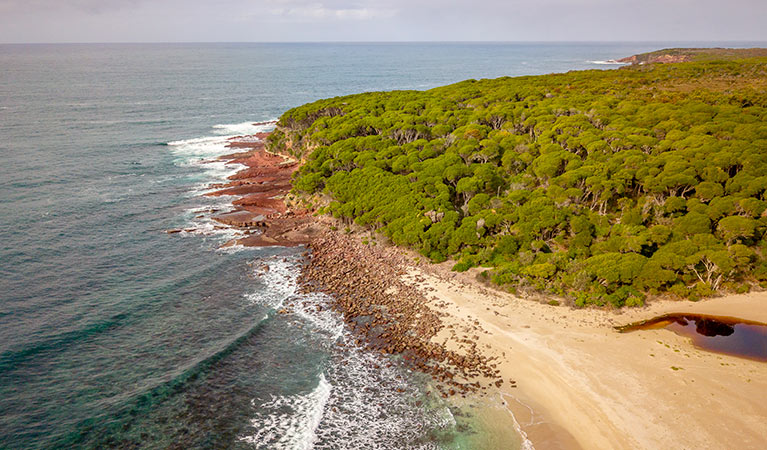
(598, 186)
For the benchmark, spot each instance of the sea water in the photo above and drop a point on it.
(115, 333)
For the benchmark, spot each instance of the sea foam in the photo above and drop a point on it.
(608, 62)
(294, 420)
(202, 153)
(363, 396)
(243, 128)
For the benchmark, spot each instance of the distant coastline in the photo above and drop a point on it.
(677, 55)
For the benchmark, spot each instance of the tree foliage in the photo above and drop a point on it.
(601, 186)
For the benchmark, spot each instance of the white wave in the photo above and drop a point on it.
(233, 249)
(362, 398)
(609, 62)
(296, 428)
(371, 403)
(201, 153)
(213, 173)
(209, 146)
(244, 128)
(214, 205)
(216, 145)
(281, 275)
(322, 318)
(211, 228)
(198, 222)
(526, 443)
(374, 406)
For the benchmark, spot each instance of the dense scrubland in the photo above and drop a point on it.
(601, 187)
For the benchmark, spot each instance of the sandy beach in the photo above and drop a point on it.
(582, 384)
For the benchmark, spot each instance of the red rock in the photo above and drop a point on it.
(241, 219)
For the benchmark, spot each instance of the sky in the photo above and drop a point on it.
(380, 20)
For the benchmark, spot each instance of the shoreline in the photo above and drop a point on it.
(456, 373)
(258, 208)
(564, 376)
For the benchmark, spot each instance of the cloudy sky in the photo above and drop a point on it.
(381, 20)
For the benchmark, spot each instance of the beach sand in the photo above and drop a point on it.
(582, 384)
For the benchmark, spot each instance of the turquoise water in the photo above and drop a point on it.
(115, 333)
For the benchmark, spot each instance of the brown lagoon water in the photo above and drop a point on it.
(726, 335)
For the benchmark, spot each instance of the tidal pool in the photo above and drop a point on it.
(737, 337)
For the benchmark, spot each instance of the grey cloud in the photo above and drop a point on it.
(365, 20)
(47, 6)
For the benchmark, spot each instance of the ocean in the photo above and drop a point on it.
(114, 333)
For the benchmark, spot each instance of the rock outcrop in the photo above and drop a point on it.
(261, 187)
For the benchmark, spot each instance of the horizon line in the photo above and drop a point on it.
(740, 41)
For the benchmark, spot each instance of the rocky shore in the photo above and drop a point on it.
(368, 284)
(260, 210)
